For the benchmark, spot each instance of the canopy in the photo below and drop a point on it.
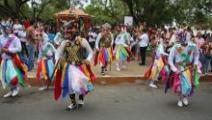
(73, 14)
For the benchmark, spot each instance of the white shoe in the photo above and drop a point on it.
(42, 88)
(118, 69)
(185, 101)
(71, 107)
(81, 102)
(153, 85)
(8, 94)
(15, 92)
(180, 103)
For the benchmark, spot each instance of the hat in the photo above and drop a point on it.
(106, 26)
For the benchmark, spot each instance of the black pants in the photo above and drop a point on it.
(92, 44)
(24, 50)
(73, 99)
(143, 55)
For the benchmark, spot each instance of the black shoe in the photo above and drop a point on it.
(142, 64)
(103, 73)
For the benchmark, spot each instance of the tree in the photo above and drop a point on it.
(111, 11)
(154, 11)
(47, 13)
(194, 11)
(12, 8)
(78, 3)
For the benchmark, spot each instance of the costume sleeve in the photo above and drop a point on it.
(53, 49)
(97, 40)
(59, 51)
(172, 40)
(50, 49)
(129, 39)
(161, 48)
(112, 41)
(86, 45)
(171, 59)
(116, 40)
(57, 38)
(45, 37)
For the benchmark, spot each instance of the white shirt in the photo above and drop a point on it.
(22, 35)
(14, 47)
(17, 28)
(144, 40)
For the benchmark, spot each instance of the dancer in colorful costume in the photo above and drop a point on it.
(13, 71)
(45, 64)
(158, 69)
(122, 48)
(104, 50)
(73, 75)
(183, 60)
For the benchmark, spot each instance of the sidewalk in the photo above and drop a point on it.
(132, 74)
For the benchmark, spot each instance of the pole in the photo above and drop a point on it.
(33, 13)
(34, 4)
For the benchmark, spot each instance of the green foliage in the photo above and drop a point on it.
(111, 11)
(154, 12)
(194, 12)
(165, 11)
(47, 9)
(13, 8)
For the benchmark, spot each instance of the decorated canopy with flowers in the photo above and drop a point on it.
(73, 14)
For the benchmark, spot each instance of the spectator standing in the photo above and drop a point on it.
(199, 40)
(143, 44)
(17, 27)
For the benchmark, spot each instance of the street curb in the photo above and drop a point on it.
(109, 80)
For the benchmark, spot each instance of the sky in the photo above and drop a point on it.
(38, 1)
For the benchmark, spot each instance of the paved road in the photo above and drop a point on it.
(122, 102)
